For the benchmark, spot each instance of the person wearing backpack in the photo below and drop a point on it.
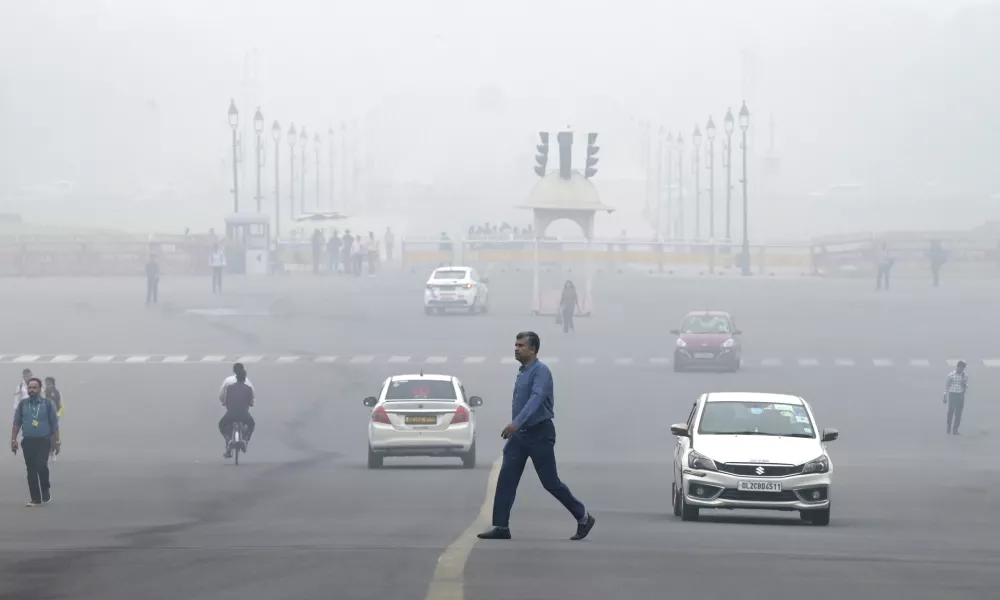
(36, 419)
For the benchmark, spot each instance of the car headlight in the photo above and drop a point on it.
(818, 465)
(728, 343)
(681, 343)
(696, 460)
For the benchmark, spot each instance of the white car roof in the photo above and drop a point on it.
(456, 268)
(425, 377)
(754, 397)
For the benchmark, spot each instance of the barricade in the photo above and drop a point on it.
(428, 254)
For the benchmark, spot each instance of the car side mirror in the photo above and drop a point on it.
(830, 434)
(679, 429)
(475, 401)
(371, 401)
(675, 331)
(737, 332)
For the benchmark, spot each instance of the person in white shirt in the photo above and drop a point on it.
(21, 392)
(218, 262)
(357, 255)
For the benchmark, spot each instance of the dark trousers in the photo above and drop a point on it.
(227, 420)
(152, 289)
(883, 276)
(537, 443)
(36, 459)
(956, 404)
(216, 279)
(567, 318)
(936, 274)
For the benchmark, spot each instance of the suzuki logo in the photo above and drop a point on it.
(759, 470)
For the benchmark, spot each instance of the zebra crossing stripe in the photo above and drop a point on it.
(881, 362)
(249, 359)
(808, 362)
(26, 358)
(399, 359)
(288, 359)
(919, 362)
(175, 358)
(325, 359)
(360, 360)
(473, 360)
(436, 360)
(104, 358)
(844, 362)
(213, 358)
(64, 358)
(137, 359)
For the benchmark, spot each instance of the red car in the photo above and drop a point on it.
(707, 339)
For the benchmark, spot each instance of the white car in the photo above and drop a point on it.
(456, 287)
(752, 451)
(422, 415)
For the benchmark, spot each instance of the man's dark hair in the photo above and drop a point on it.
(25, 372)
(241, 372)
(36, 379)
(531, 338)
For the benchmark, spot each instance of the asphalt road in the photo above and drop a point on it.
(145, 506)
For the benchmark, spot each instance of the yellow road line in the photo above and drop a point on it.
(448, 582)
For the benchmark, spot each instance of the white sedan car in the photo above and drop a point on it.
(752, 451)
(422, 415)
(456, 287)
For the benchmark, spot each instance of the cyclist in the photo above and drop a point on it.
(237, 396)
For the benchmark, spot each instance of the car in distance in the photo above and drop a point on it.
(707, 339)
(422, 415)
(752, 451)
(456, 288)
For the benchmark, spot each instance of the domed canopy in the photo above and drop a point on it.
(554, 193)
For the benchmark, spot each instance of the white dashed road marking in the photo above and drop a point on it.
(64, 358)
(844, 362)
(399, 359)
(919, 362)
(881, 362)
(808, 362)
(362, 360)
(436, 360)
(474, 360)
(137, 359)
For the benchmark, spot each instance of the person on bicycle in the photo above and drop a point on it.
(237, 396)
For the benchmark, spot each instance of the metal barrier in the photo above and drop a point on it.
(49, 256)
(428, 254)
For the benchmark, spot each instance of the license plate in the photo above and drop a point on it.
(704, 355)
(420, 420)
(754, 485)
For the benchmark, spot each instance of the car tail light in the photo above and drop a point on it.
(468, 286)
(461, 415)
(380, 416)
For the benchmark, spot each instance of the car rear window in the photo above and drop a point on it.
(420, 389)
(453, 274)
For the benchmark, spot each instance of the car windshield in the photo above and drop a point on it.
(420, 389)
(452, 274)
(706, 324)
(756, 418)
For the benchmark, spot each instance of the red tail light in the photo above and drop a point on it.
(461, 415)
(380, 416)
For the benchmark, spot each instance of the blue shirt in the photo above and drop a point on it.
(37, 410)
(534, 395)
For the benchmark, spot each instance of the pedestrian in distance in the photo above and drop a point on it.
(884, 265)
(218, 263)
(938, 256)
(569, 303)
(954, 396)
(531, 434)
(21, 391)
(36, 419)
(152, 280)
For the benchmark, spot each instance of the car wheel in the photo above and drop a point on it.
(737, 365)
(374, 460)
(485, 308)
(819, 517)
(469, 458)
(675, 502)
(688, 512)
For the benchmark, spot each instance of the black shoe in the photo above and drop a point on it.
(495, 533)
(46, 497)
(955, 432)
(228, 454)
(583, 529)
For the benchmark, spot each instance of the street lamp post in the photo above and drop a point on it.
(234, 121)
(258, 127)
(659, 185)
(710, 134)
(679, 142)
(303, 140)
(670, 191)
(276, 134)
(292, 138)
(332, 178)
(696, 138)
(316, 144)
(744, 125)
(728, 158)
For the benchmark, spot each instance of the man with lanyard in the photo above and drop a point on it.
(954, 396)
(36, 419)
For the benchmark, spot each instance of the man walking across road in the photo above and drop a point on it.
(532, 435)
(152, 280)
(954, 396)
(36, 419)
(21, 391)
(218, 262)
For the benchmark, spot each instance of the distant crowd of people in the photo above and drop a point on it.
(351, 253)
(504, 231)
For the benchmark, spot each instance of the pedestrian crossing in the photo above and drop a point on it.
(406, 359)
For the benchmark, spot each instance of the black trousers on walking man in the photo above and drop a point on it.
(956, 404)
(36, 459)
(537, 443)
(216, 279)
(883, 276)
(152, 290)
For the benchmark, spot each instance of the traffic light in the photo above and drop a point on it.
(542, 158)
(592, 159)
(565, 140)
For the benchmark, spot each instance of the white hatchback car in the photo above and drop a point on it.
(752, 451)
(422, 415)
(456, 287)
